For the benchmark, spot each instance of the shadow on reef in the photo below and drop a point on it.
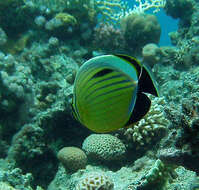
(42, 167)
(35, 146)
(11, 110)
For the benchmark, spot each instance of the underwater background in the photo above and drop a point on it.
(43, 43)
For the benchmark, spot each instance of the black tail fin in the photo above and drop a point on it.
(147, 83)
(142, 106)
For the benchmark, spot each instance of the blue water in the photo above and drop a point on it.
(168, 24)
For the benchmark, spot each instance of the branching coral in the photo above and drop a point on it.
(116, 9)
(144, 5)
(151, 127)
(109, 10)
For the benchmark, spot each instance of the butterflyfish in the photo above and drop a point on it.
(110, 92)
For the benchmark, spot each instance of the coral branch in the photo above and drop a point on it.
(148, 4)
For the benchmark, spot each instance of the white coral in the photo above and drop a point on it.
(95, 181)
(144, 5)
(148, 127)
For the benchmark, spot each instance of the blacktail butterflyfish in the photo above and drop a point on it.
(110, 92)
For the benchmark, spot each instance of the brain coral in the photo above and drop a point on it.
(72, 158)
(104, 147)
(95, 181)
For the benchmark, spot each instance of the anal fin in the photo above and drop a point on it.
(142, 106)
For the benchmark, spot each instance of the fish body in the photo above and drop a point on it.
(106, 91)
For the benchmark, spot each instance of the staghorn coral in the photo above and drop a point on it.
(149, 4)
(150, 128)
(110, 11)
(141, 7)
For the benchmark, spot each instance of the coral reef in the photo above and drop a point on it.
(104, 147)
(33, 146)
(186, 38)
(182, 9)
(180, 147)
(30, 109)
(72, 158)
(3, 37)
(95, 180)
(42, 45)
(5, 186)
(103, 39)
(136, 26)
(145, 173)
(153, 176)
(149, 130)
(151, 54)
(13, 178)
(62, 25)
(16, 18)
(145, 5)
